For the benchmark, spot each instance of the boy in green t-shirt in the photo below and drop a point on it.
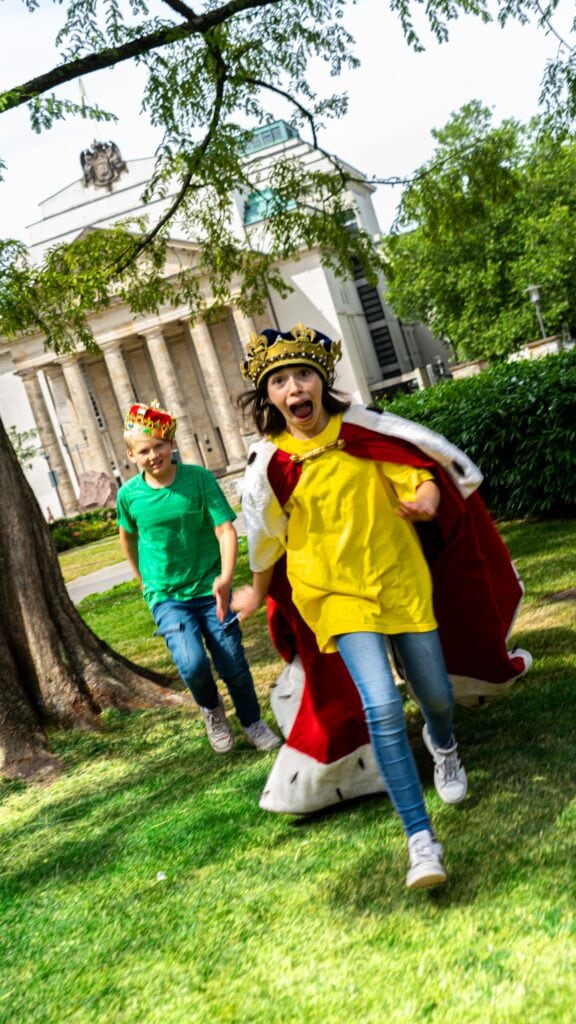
(176, 530)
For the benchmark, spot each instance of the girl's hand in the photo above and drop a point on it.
(245, 601)
(420, 511)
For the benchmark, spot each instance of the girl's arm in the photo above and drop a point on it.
(425, 505)
(228, 541)
(247, 600)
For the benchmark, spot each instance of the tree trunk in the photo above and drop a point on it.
(53, 669)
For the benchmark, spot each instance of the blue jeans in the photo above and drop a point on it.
(186, 626)
(366, 659)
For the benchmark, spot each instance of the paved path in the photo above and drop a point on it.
(102, 579)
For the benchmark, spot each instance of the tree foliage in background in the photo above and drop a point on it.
(516, 422)
(493, 211)
(210, 77)
(25, 445)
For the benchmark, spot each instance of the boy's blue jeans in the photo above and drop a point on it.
(366, 658)
(186, 626)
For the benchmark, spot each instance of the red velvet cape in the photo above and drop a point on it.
(476, 595)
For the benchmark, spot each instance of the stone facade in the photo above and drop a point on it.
(192, 366)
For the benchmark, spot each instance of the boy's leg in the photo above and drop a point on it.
(224, 641)
(178, 623)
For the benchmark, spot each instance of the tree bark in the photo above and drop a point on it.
(54, 671)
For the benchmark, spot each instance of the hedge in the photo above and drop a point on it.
(83, 528)
(517, 422)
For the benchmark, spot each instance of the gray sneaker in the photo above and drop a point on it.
(449, 774)
(425, 856)
(259, 735)
(218, 731)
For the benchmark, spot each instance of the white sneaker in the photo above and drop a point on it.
(449, 774)
(259, 735)
(218, 731)
(425, 856)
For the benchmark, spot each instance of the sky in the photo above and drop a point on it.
(396, 98)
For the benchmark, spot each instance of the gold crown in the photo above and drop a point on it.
(282, 348)
(150, 421)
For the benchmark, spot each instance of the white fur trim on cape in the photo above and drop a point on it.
(266, 523)
(463, 472)
(298, 784)
(286, 695)
(473, 692)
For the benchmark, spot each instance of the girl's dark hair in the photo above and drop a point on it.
(267, 418)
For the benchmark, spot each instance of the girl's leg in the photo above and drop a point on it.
(366, 659)
(423, 660)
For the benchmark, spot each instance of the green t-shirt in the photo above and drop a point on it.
(178, 552)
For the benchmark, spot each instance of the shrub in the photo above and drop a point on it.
(83, 528)
(517, 421)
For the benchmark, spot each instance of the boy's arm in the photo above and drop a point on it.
(247, 600)
(228, 541)
(425, 505)
(129, 545)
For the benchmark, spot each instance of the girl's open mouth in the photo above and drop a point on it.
(302, 410)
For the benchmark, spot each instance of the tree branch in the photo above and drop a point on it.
(195, 25)
(182, 9)
(199, 151)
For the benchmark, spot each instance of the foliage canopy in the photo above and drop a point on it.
(492, 212)
(211, 77)
(516, 422)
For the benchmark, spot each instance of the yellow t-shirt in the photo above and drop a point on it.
(354, 565)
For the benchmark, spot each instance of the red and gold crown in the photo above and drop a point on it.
(272, 349)
(150, 421)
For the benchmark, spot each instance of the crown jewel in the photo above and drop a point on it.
(300, 345)
(150, 421)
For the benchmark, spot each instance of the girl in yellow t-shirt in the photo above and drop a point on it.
(355, 566)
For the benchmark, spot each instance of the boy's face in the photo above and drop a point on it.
(152, 455)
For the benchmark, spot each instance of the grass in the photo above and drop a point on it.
(146, 885)
(88, 557)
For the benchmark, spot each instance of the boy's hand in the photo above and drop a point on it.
(221, 590)
(245, 601)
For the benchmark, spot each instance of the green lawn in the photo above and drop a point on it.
(146, 885)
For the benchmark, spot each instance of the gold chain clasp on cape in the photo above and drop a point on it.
(315, 452)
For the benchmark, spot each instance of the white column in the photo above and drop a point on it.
(121, 384)
(96, 455)
(220, 400)
(171, 394)
(49, 441)
(244, 326)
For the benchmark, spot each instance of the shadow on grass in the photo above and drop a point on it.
(189, 798)
(509, 832)
(173, 800)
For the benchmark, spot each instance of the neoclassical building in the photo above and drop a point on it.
(192, 365)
